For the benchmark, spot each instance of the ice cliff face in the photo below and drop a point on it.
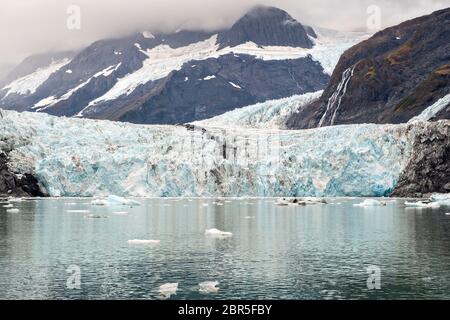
(79, 157)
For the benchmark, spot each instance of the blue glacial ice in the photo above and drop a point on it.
(88, 158)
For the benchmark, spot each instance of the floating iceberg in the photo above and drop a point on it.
(121, 213)
(300, 201)
(215, 233)
(442, 199)
(421, 204)
(95, 216)
(115, 201)
(370, 203)
(168, 289)
(208, 287)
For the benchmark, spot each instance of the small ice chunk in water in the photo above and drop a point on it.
(99, 202)
(217, 233)
(95, 216)
(115, 201)
(447, 214)
(120, 213)
(421, 204)
(9, 206)
(442, 199)
(13, 210)
(168, 289)
(370, 203)
(15, 200)
(208, 287)
(144, 242)
(78, 211)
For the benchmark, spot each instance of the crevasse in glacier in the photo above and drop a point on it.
(78, 157)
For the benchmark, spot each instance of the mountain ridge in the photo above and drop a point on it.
(395, 75)
(114, 76)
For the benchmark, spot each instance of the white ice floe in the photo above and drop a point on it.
(168, 289)
(144, 242)
(121, 213)
(421, 204)
(299, 201)
(8, 206)
(215, 233)
(99, 202)
(13, 210)
(113, 200)
(370, 203)
(95, 216)
(442, 199)
(78, 211)
(208, 287)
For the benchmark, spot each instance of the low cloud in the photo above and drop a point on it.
(35, 26)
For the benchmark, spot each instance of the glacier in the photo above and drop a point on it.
(271, 114)
(94, 158)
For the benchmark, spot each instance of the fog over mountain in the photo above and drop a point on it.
(34, 26)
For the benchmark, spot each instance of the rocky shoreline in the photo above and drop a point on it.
(17, 185)
(429, 168)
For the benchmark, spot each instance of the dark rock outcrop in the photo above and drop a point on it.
(389, 78)
(12, 184)
(429, 168)
(266, 26)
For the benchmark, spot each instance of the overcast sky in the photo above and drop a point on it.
(35, 26)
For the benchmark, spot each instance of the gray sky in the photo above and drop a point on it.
(35, 26)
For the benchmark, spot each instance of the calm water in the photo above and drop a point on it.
(315, 252)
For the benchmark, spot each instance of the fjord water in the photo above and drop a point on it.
(312, 252)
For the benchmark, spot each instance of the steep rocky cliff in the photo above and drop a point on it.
(389, 78)
(428, 170)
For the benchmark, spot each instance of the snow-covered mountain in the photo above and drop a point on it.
(184, 76)
(81, 157)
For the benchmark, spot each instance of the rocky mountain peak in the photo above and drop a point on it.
(266, 26)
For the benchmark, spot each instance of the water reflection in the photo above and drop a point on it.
(312, 252)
